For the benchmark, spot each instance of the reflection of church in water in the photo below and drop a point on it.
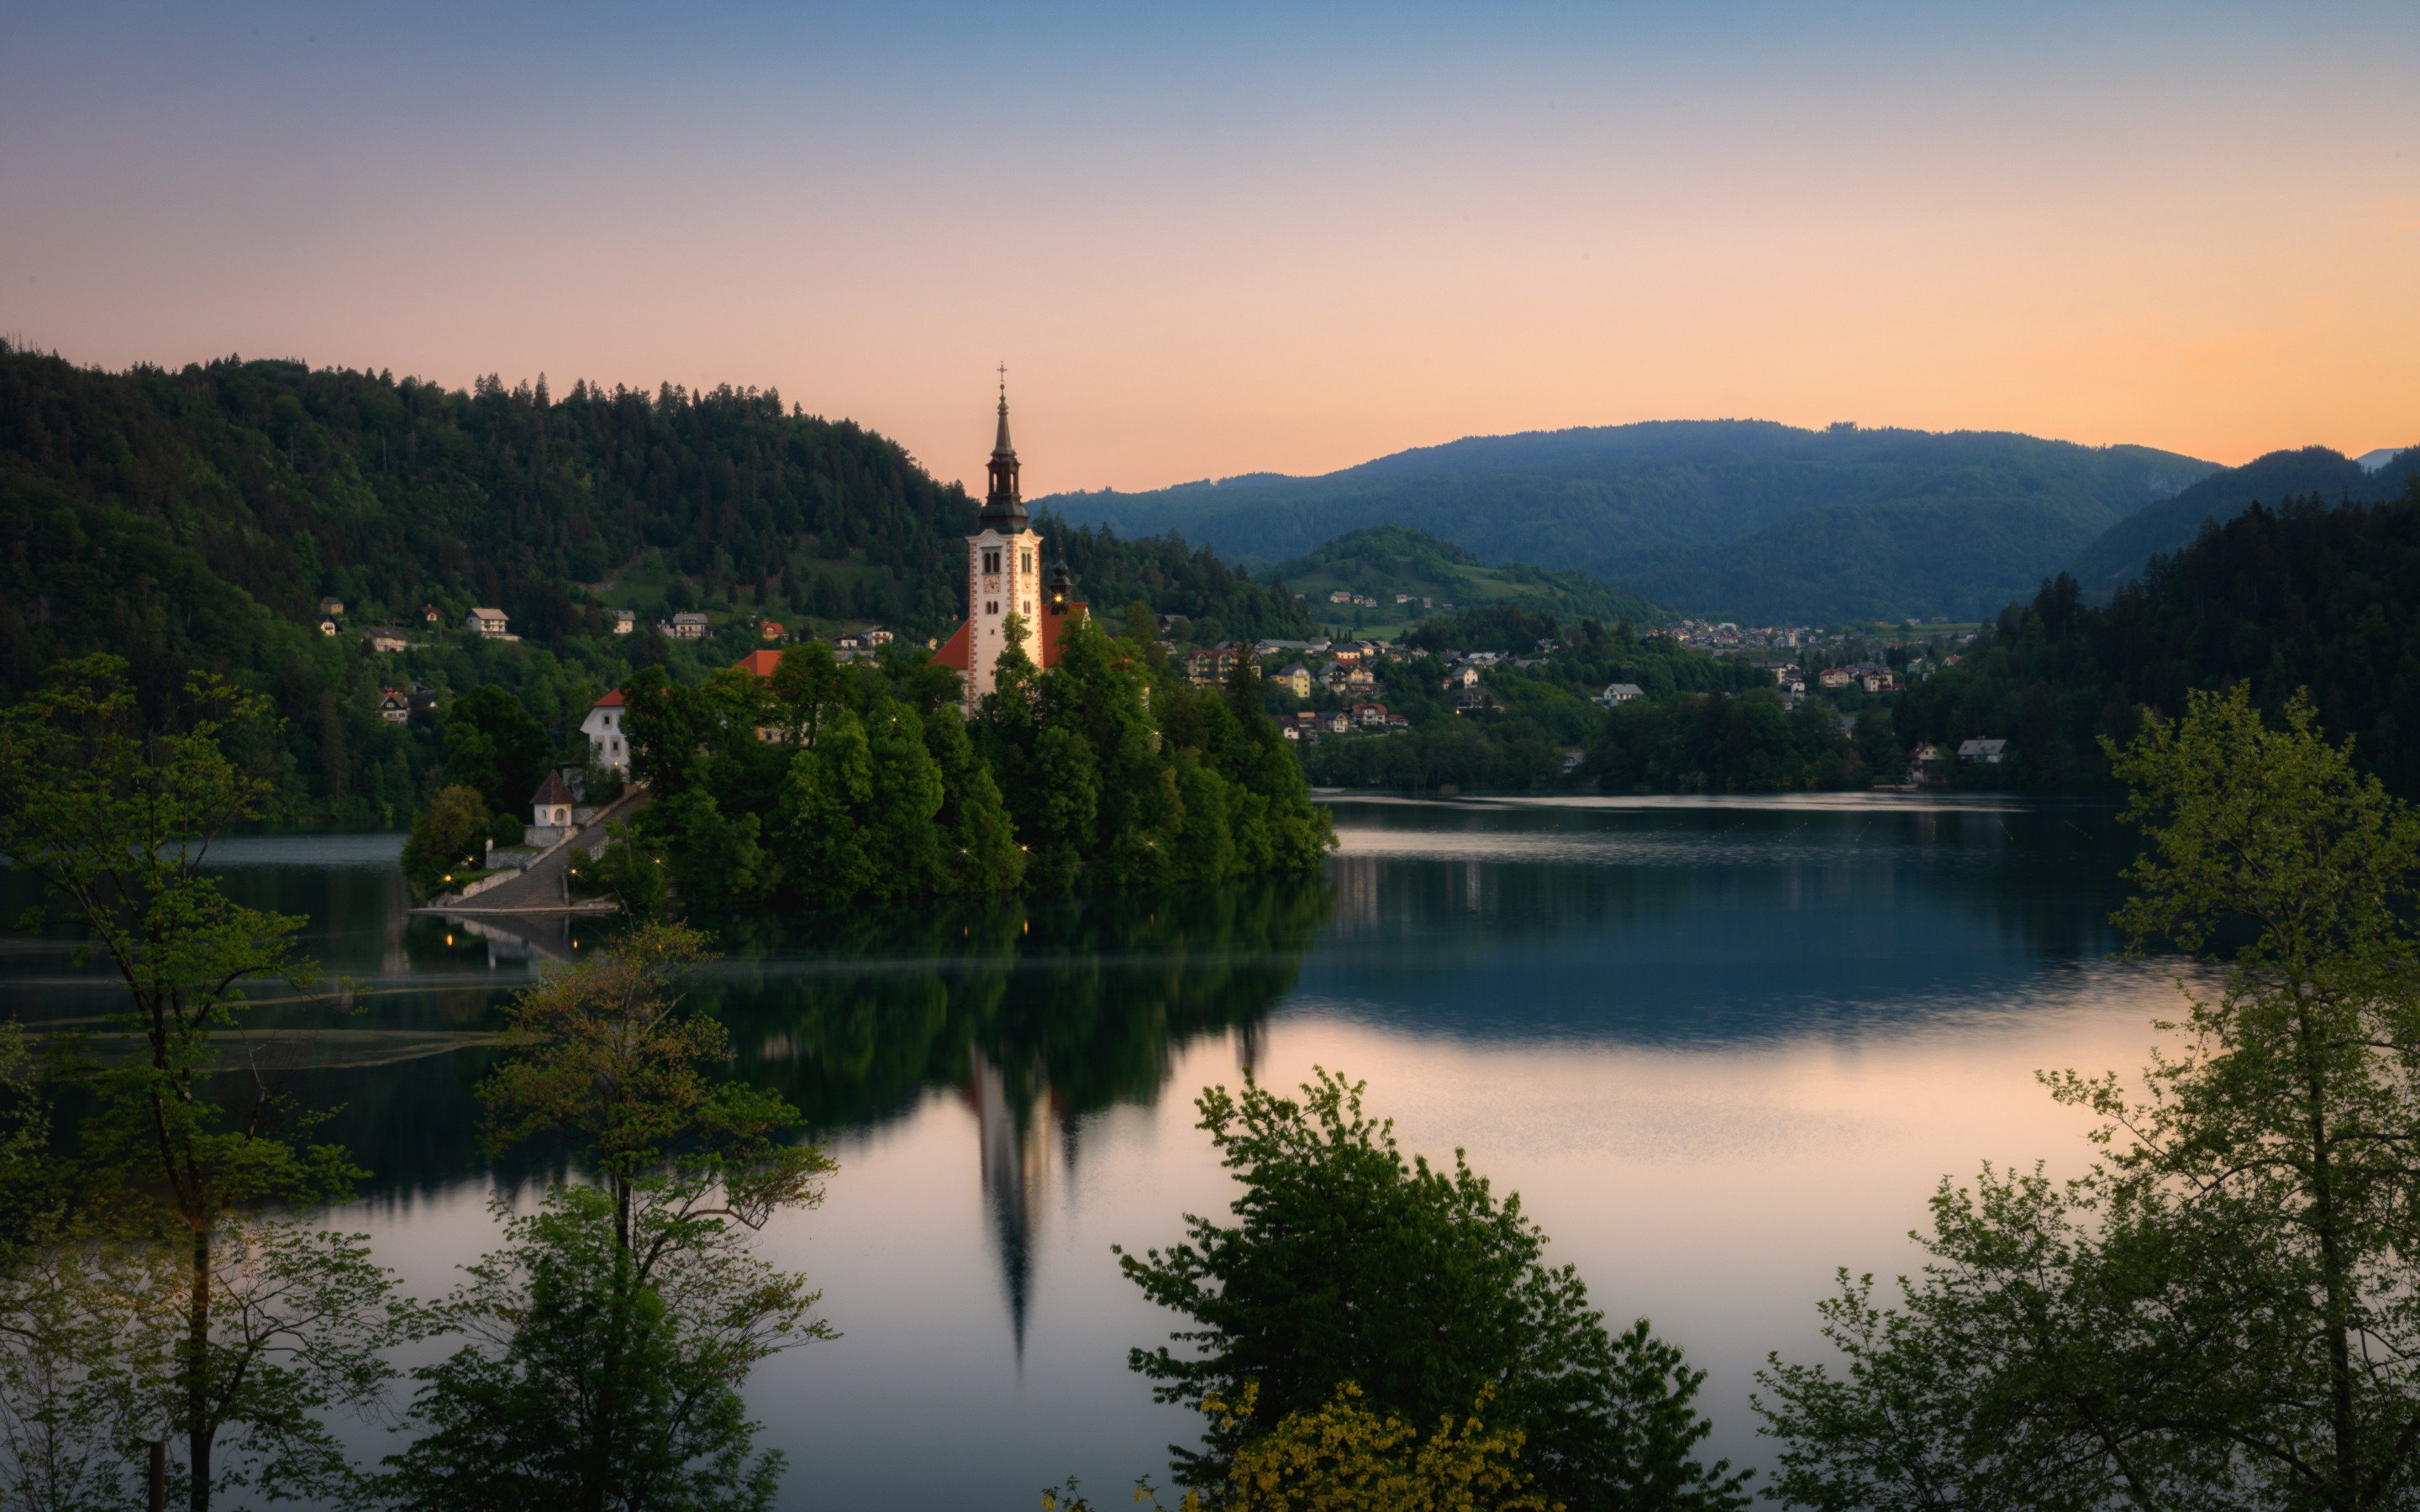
(1014, 1142)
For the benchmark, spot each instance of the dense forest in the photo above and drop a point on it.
(830, 783)
(2301, 595)
(2172, 524)
(196, 518)
(1739, 520)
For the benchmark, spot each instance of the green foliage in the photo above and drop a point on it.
(587, 1385)
(2302, 596)
(1168, 576)
(1538, 713)
(827, 784)
(1352, 1264)
(2221, 1312)
(610, 1337)
(626, 867)
(493, 745)
(446, 839)
(1383, 560)
(1342, 1457)
(1757, 521)
(193, 519)
(243, 1321)
(1701, 743)
(2172, 524)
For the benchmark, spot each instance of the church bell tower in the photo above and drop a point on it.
(1003, 568)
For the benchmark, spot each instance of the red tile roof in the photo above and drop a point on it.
(611, 700)
(760, 662)
(954, 650)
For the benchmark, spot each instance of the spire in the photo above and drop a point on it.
(1003, 510)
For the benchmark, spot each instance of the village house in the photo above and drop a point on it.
(1929, 766)
(769, 629)
(327, 628)
(609, 747)
(432, 615)
(1336, 723)
(874, 635)
(1370, 716)
(1211, 666)
(395, 706)
(487, 621)
(686, 627)
(1835, 677)
(1296, 680)
(1571, 760)
(1466, 675)
(385, 642)
(1987, 751)
(332, 607)
(1618, 694)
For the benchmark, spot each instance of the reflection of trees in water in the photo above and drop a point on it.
(1084, 998)
(1037, 1011)
(2044, 878)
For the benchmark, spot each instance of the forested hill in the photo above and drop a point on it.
(197, 517)
(2170, 525)
(2303, 597)
(1744, 520)
(1391, 562)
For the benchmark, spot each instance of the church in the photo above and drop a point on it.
(1004, 578)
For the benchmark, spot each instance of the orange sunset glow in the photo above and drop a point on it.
(1283, 244)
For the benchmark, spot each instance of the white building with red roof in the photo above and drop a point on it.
(609, 746)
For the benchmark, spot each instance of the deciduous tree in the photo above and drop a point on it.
(1352, 1263)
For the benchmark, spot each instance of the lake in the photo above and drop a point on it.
(1721, 1047)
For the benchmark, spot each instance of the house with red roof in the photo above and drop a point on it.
(609, 746)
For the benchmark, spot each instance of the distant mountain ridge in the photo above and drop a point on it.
(2170, 525)
(1747, 519)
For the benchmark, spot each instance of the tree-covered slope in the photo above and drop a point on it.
(1385, 561)
(195, 519)
(2120, 553)
(1625, 504)
(2303, 597)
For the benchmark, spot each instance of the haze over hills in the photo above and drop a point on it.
(2171, 524)
(1747, 519)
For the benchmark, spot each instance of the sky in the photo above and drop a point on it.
(1212, 239)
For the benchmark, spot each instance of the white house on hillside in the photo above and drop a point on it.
(603, 727)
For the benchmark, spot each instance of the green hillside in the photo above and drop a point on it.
(2120, 553)
(196, 518)
(1741, 519)
(2307, 596)
(1392, 562)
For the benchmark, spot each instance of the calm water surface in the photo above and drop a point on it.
(1721, 1047)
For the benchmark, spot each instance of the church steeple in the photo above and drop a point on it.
(1003, 510)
